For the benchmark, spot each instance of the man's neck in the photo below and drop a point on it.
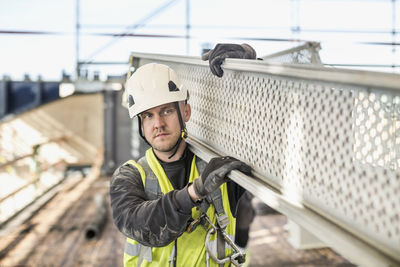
(164, 156)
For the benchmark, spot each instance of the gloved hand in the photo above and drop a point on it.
(214, 174)
(217, 55)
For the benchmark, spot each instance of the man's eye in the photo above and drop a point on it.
(146, 116)
(168, 111)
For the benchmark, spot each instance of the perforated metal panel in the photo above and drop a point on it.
(334, 147)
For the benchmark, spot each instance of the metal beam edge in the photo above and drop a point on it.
(369, 79)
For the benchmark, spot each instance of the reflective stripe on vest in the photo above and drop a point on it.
(190, 246)
(213, 246)
(135, 250)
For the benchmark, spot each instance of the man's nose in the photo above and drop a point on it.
(158, 121)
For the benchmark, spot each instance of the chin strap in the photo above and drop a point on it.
(183, 135)
(140, 130)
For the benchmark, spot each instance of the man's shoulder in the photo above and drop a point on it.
(127, 171)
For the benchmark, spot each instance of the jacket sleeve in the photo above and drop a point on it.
(154, 223)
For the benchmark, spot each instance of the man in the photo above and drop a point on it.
(163, 202)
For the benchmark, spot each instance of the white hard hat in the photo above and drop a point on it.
(153, 85)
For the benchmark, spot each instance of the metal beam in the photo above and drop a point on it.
(342, 241)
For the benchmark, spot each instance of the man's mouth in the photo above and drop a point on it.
(161, 135)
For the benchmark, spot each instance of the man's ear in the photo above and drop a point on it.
(187, 112)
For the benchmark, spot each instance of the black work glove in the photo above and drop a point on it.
(214, 174)
(217, 55)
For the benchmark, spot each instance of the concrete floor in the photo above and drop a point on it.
(268, 246)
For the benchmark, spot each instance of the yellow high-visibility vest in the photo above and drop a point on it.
(188, 249)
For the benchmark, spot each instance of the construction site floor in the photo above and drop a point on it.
(48, 240)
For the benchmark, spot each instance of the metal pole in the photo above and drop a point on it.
(187, 27)
(110, 131)
(295, 17)
(77, 34)
(99, 220)
(394, 32)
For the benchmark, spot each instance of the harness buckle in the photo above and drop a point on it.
(192, 226)
(222, 220)
(195, 222)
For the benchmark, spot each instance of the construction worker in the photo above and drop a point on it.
(168, 202)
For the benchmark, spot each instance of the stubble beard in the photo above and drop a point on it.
(165, 147)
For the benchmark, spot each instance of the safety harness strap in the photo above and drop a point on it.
(215, 198)
(222, 219)
(152, 187)
(220, 246)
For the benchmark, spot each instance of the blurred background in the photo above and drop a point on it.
(45, 38)
(63, 129)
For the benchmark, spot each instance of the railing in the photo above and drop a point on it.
(324, 144)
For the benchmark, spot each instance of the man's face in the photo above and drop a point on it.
(161, 125)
